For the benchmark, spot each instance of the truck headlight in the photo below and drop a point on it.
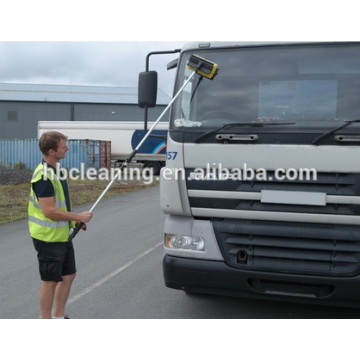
(187, 242)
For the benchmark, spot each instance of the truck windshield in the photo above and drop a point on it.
(315, 86)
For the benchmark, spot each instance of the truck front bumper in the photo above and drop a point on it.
(215, 277)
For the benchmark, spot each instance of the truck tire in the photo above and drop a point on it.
(156, 166)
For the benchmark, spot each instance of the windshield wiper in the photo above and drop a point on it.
(324, 135)
(228, 126)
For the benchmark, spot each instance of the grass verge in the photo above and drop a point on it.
(14, 198)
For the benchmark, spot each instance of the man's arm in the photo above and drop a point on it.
(49, 209)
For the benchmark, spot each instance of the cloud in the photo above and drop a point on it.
(84, 63)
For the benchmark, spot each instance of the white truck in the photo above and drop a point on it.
(242, 216)
(124, 137)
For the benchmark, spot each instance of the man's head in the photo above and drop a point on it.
(53, 143)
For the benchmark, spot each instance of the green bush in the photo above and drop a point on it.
(19, 166)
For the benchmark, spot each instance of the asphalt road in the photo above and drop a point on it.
(120, 274)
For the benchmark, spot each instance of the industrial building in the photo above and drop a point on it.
(23, 105)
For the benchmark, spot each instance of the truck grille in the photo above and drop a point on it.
(287, 247)
(290, 247)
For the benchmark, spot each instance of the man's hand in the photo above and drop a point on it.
(83, 225)
(85, 216)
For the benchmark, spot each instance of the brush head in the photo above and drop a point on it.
(202, 66)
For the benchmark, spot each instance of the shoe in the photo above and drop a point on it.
(59, 318)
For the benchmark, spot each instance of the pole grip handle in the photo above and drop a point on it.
(76, 230)
(133, 153)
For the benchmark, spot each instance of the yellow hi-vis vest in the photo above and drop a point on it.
(41, 227)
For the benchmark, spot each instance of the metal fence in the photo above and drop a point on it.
(25, 153)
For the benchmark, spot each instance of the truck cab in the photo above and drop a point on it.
(262, 180)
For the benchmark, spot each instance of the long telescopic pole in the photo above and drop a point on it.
(127, 161)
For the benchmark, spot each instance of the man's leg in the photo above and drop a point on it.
(68, 275)
(62, 294)
(46, 296)
(48, 268)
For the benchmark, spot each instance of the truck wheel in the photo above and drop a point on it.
(155, 166)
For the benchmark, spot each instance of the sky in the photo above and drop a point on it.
(104, 43)
(107, 63)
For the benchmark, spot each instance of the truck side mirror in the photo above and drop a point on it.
(147, 90)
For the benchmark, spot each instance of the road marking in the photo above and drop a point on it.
(109, 276)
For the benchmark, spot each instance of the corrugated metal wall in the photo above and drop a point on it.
(91, 153)
(28, 115)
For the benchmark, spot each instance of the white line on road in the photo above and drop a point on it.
(112, 274)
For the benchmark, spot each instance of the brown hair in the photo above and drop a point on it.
(50, 141)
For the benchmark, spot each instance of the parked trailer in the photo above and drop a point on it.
(124, 137)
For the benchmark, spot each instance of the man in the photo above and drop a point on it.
(50, 220)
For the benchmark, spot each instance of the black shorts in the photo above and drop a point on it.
(55, 259)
